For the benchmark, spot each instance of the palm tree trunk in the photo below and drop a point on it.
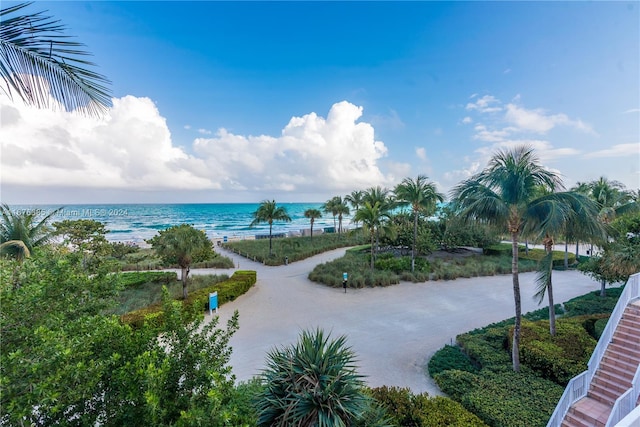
(372, 249)
(603, 289)
(515, 350)
(270, 228)
(415, 237)
(184, 273)
(311, 229)
(577, 249)
(548, 246)
(566, 254)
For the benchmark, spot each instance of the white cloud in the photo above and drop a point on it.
(537, 120)
(337, 153)
(619, 150)
(486, 104)
(202, 131)
(187, 127)
(421, 153)
(132, 149)
(632, 110)
(467, 120)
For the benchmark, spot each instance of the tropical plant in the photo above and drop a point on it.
(563, 210)
(182, 245)
(269, 212)
(26, 227)
(373, 218)
(312, 214)
(312, 383)
(422, 196)
(44, 68)
(331, 206)
(505, 194)
(355, 199)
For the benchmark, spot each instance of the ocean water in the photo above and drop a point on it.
(137, 222)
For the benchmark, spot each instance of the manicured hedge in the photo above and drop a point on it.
(236, 285)
(557, 358)
(420, 410)
(503, 399)
(534, 254)
(450, 357)
(593, 303)
(128, 280)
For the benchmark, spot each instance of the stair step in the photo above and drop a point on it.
(630, 348)
(620, 352)
(609, 384)
(600, 397)
(590, 412)
(624, 334)
(604, 391)
(623, 379)
(628, 328)
(617, 367)
(573, 420)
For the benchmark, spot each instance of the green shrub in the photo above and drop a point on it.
(489, 349)
(503, 399)
(419, 410)
(593, 303)
(230, 289)
(557, 358)
(129, 280)
(449, 357)
(599, 326)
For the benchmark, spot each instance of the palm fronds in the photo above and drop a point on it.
(39, 64)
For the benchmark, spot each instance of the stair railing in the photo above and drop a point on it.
(579, 385)
(626, 402)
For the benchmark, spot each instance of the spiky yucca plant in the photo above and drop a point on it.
(313, 383)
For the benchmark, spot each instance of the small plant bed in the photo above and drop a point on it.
(534, 254)
(390, 269)
(478, 372)
(293, 249)
(142, 289)
(228, 288)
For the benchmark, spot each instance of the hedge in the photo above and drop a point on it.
(449, 357)
(534, 254)
(420, 410)
(230, 289)
(503, 399)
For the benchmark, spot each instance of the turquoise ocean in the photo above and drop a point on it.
(136, 222)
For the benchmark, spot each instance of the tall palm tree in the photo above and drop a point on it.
(422, 196)
(373, 218)
(612, 198)
(342, 209)
(38, 63)
(331, 206)
(26, 227)
(564, 210)
(269, 212)
(312, 214)
(384, 198)
(355, 199)
(504, 194)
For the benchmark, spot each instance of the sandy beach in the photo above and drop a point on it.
(393, 330)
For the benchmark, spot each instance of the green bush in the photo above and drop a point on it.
(129, 280)
(230, 289)
(593, 303)
(419, 410)
(557, 358)
(599, 326)
(449, 357)
(503, 399)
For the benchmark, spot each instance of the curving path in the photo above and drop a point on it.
(392, 330)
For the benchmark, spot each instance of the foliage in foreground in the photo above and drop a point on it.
(420, 410)
(312, 383)
(64, 363)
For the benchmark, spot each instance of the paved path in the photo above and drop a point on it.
(393, 330)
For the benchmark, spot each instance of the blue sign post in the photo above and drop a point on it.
(344, 281)
(213, 302)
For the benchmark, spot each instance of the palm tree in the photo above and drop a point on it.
(385, 199)
(269, 212)
(312, 214)
(331, 206)
(342, 209)
(612, 198)
(422, 196)
(504, 195)
(373, 218)
(40, 64)
(182, 245)
(24, 226)
(355, 199)
(311, 383)
(564, 210)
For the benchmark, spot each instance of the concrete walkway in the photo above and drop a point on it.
(393, 330)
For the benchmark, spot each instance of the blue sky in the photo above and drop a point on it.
(300, 101)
